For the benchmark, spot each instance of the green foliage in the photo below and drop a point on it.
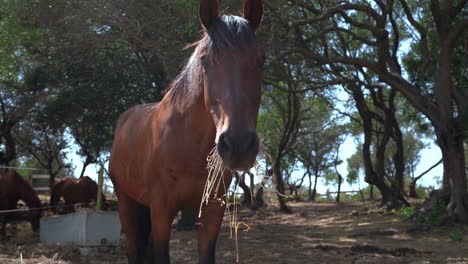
(406, 212)
(423, 193)
(231, 198)
(293, 198)
(435, 216)
(456, 236)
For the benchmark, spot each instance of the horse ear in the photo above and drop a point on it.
(253, 10)
(209, 12)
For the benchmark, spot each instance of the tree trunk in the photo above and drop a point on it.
(51, 179)
(52, 173)
(280, 188)
(314, 191)
(85, 164)
(398, 157)
(340, 181)
(259, 197)
(371, 192)
(248, 199)
(455, 176)
(9, 145)
(412, 189)
(362, 195)
(259, 194)
(375, 173)
(187, 220)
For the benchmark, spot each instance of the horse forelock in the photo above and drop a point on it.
(231, 35)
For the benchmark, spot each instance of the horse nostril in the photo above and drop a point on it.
(225, 144)
(252, 142)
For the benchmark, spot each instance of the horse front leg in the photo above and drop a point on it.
(136, 225)
(161, 221)
(3, 225)
(208, 229)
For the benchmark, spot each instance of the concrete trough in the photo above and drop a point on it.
(83, 228)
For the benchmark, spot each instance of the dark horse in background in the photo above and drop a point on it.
(13, 188)
(159, 156)
(75, 191)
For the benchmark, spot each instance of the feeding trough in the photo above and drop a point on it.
(83, 228)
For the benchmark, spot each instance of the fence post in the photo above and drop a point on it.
(99, 192)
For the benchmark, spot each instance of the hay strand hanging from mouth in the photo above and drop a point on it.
(215, 175)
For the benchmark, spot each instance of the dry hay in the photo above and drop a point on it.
(210, 192)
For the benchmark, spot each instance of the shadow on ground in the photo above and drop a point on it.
(314, 233)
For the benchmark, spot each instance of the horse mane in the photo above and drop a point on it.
(231, 33)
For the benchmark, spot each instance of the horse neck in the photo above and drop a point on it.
(55, 192)
(28, 195)
(186, 98)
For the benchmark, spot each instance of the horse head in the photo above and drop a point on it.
(232, 62)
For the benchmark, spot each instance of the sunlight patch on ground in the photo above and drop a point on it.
(364, 224)
(347, 239)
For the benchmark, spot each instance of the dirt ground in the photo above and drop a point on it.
(315, 233)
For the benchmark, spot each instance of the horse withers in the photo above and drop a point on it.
(75, 192)
(159, 156)
(14, 188)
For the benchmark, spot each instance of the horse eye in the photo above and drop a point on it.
(204, 61)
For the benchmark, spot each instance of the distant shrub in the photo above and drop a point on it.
(406, 212)
(423, 193)
(295, 198)
(321, 199)
(435, 216)
(456, 236)
(231, 198)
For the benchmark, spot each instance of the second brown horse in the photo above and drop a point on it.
(159, 157)
(75, 191)
(12, 189)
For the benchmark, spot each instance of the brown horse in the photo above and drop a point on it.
(159, 157)
(12, 189)
(74, 191)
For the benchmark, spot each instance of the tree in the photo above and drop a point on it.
(106, 56)
(335, 176)
(316, 145)
(22, 79)
(46, 145)
(279, 124)
(435, 30)
(356, 169)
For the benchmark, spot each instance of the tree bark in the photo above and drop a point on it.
(259, 194)
(280, 188)
(375, 174)
(248, 200)
(412, 189)
(187, 220)
(371, 192)
(88, 161)
(314, 191)
(454, 175)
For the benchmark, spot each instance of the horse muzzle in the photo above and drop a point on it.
(238, 150)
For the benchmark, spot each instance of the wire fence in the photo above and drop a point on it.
(41, 208)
